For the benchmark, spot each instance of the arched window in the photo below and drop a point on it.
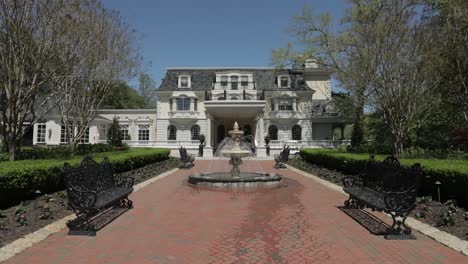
(195, 132)
(234, 98)
(296, 132)
(273, 132)
(171, 133)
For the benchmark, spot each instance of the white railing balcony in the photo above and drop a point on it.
(184, 114)
(240, 85)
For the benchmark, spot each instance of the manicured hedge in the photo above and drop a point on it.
(453, 174)
(20, 179)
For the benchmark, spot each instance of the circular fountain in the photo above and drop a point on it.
(233, 148)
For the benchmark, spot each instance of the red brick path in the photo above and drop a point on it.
(175, 223)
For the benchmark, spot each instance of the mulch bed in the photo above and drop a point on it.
(20, 220)
(444, 216)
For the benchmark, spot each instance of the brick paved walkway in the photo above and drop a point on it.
(176, 223)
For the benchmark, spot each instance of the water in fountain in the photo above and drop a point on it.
(228, 143)
(235, 147)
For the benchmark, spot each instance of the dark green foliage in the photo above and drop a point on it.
(114, 135)
(357, 136)
(453, 174)
(123, 97)
(20, 179)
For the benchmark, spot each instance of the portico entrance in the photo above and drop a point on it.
(223, 114)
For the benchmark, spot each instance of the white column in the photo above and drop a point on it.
(261, 141)
(208, 131)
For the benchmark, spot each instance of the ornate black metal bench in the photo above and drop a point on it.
(92, 188)
(186, 159)
(389, 187)
(282, 158)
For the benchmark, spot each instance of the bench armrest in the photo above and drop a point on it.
(401, 201)
(78, 199)
(125, 182)
(352, 181)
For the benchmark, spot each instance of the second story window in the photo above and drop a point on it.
(195, 104)
(184, 81)
(285, 104)
(244, 81)
(234, 82)
(224, 81)
(183, 104)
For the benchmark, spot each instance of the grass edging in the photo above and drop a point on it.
(33, 238)
(440, 236)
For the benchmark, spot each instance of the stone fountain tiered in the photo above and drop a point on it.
(232, 149)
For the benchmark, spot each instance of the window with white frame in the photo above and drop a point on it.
(171, 133)
(283, 81)
(64, 135)
(84, 139)
(244, 81)
(224, 81)
(125, 134)
(183, 104)
(41, 133)
(195, 132)
(143, 133)
(285, 104)
(184, 81)
(296, 132)
(234, 82)
(102, 132)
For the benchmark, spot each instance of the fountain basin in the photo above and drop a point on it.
(246, 180)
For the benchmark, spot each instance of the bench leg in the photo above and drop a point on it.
(80, 226)
(126, 203)
(350, 203)
(399, 230)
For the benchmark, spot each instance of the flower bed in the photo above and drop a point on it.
(445, 216)
(31, 215)
(19, 180)
(453, 174)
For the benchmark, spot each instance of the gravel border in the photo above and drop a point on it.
(31, 239)
(442, 237)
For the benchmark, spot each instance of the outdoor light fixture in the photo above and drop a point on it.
(438, 183)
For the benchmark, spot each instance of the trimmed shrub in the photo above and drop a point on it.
(20, 179)
(453, 174)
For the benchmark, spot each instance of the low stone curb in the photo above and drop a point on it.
(29, 240)
(442, 237)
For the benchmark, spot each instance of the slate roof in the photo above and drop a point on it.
(202, 78)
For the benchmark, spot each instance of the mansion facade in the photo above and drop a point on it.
(290, 105)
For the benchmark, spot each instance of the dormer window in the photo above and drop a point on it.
(224, 81)
(234, 82)
(283, 81)
(244, 81)
(184, 81)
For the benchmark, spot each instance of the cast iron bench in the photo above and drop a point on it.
(282, 158)
(92, 188)
(389, 187)
(186, 159)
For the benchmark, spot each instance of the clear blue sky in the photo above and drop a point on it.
(211, 33)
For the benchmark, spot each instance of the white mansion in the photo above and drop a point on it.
(290, 105)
